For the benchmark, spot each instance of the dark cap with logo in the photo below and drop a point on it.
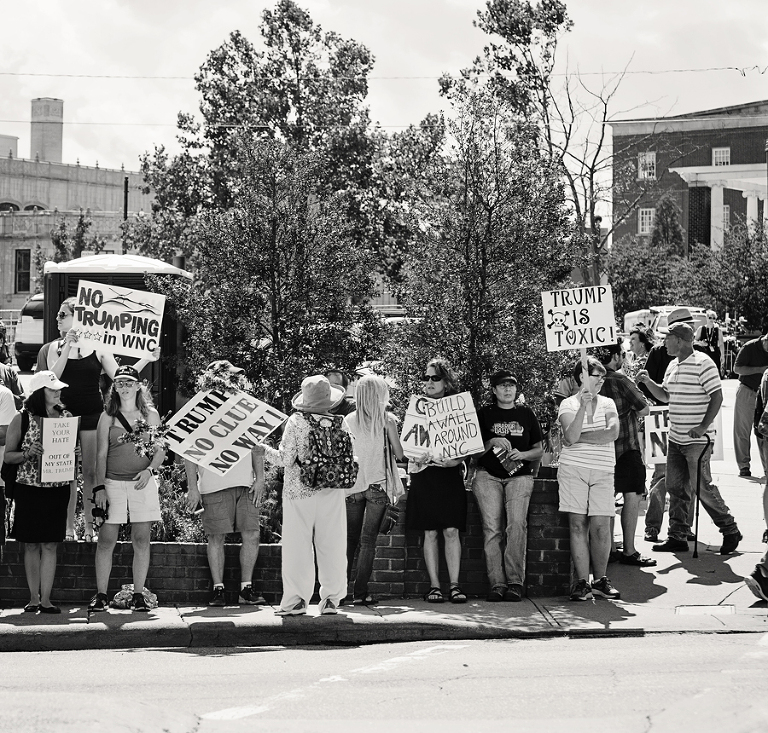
(503, 375)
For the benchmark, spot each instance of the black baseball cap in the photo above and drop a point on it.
(503, 375)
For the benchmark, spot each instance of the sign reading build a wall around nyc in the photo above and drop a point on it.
(118, 320)
(447, 428)
(216, 429)
(578, 318)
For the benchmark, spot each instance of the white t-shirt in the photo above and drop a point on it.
(241, 474)
(589, 455)
(7, 406)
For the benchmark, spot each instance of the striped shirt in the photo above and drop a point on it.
(690, 384)
(589, 455)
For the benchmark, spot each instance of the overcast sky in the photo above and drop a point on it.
(113, 120)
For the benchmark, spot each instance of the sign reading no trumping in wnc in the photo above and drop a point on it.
(579, 318)
(118, 320)
(216, 429)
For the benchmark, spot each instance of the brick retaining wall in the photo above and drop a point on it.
(179, 573)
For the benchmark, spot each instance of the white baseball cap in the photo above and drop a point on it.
(45, 379)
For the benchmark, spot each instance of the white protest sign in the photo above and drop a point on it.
(118, 320)
(57, 464)
(448, 428)
(657, 436)
(578, 318)
(217, 429)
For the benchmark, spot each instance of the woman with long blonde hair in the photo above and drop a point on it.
(374, 435)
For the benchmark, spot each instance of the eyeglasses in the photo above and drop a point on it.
(123, 383)
(597, 374)
(431, 378)
(62, 314)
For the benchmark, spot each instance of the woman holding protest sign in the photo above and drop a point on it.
(376, 443)
(41, 507)
(128, 453)
(437, 500)
(80, 366)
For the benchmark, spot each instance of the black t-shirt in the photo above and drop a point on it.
(519, 426)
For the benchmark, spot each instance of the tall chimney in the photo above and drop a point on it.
(47, 129)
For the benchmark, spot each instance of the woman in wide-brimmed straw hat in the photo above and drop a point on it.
(314, 517)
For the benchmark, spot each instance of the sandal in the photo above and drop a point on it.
(32, 608)
(434, 595)
(69, 538)
(90, 537)
(457, 595)
(637, 559)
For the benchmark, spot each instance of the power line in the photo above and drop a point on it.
(742, 70)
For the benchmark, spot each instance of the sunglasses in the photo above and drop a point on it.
(431, 378)
(62, 314)
(125, 383)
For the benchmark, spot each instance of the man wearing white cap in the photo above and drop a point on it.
(692, 387)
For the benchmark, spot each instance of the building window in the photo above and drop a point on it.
(645, 219)
(23, 259)
(726, 217)
(646, 166)
(721, 156)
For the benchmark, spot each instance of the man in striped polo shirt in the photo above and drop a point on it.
(692, 387)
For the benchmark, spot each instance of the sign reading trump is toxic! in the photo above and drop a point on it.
(218, 429)
(578, 318)
(118, 320)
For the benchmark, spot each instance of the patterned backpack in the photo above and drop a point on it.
(331, 461)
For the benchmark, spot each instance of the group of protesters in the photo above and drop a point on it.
(332, 523)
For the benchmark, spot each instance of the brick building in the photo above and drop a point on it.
(36, 191)
(711, 163)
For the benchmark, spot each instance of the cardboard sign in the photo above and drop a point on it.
(217, 429)
(57, 464)
(118, 320)
(657, 436)
(447, 428)
(579, 318)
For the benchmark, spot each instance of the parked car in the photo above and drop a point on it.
(660, 313)
(28, 339)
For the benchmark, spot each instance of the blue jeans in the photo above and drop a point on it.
(682, 461)
(657, 496)
(496, 498)
(364, 513)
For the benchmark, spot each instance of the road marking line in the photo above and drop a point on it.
(387, 665)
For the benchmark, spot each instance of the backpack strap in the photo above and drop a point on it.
(124, 422)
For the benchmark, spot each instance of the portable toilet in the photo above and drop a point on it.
(125, 271)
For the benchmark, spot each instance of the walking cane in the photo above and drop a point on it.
(698, 495)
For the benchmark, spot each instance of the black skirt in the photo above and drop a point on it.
(437, 499)
(41, 513)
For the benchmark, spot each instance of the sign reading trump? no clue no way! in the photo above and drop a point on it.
(578, 318)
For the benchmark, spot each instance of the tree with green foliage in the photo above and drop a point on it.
(280, 283)
(492, 239)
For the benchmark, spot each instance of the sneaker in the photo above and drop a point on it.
(670, 545)
(514, 593)
(139, 603)
(329, 608)
(496, 594)
(581, 591)
(758, 583)
(745, 473)
(217, 599)
(651, 534)
(98, 603)
(604, 589)
(298, 610)
(249, 597)
(730, 543)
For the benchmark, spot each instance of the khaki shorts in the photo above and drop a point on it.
(126, 504)
(586, 491)
(229, 510)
